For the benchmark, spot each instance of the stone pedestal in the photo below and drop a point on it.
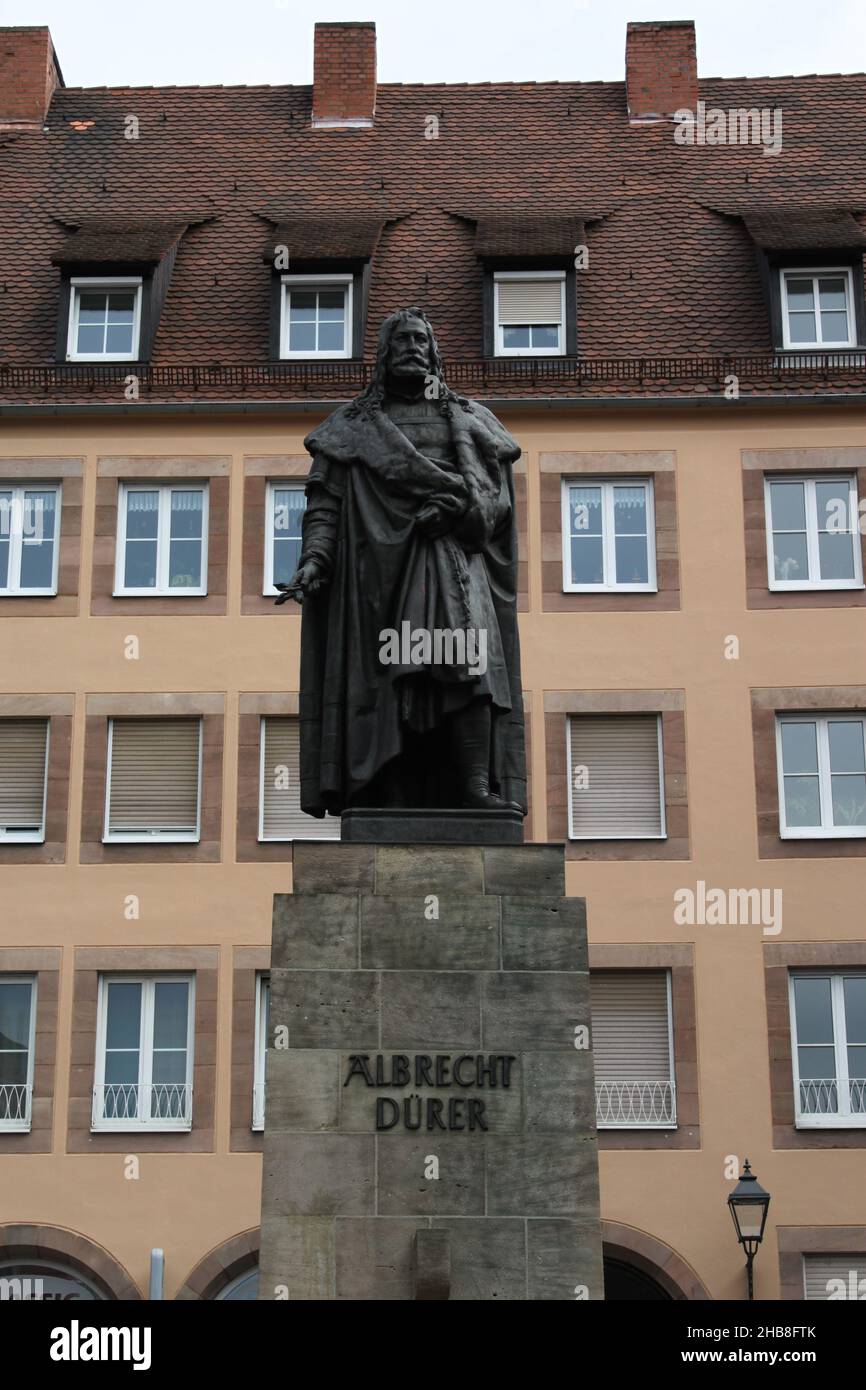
(430, 1122)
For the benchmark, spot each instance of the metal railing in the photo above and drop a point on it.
(461, 373)
(820, 1096)
(635, 1104)
(16, 1099)
(160, 1105)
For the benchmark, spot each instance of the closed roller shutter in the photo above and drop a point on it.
(630, 1036)
(282, 817)
(23, 752)
(154, 779)
(834, 1277)
(616, 785)
(530, 301)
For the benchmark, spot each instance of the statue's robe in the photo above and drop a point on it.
(372, 733)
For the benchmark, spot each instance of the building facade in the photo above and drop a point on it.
(673, 326)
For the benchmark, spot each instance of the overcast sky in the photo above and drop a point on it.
(165, 42)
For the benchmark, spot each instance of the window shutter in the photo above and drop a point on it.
(619, 793)
(23, 751)
(282, 817)
(630, 1038)
(819, 1270)
(154, 785)
(530, 301)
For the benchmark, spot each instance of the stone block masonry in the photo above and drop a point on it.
(430, 1121)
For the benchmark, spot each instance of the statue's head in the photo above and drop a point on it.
(406, 339)
(407, 352)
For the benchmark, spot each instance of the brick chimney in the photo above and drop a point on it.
(29, 73)
(661, 69)
(344, 75)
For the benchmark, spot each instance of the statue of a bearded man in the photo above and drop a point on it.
(410, 661)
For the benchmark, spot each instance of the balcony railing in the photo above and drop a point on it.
(845, 370)
(821, 1101)
(16, 1101)
(160, 1105)
(635, 1104)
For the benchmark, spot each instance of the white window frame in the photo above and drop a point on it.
(843, 1118)
(607, 486)
(499, 349)
(274, 485)
(32, 837)
(147, 979)
(649, 714)
(165, 837)
(822, 721)
(814, 273)
(263, 982)
(80, 284)
(312, 282)
(17, 538)
(23, 1126)
(812, 519)
(162, 589)
(671, 1123)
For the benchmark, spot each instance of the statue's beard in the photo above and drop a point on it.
(408, 374)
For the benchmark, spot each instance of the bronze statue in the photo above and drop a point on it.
(410, 660)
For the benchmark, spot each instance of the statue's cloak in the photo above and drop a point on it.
(358, 715)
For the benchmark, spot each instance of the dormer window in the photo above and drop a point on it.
(104, 319)
(529, 313)
(817, 308)
(316, 316)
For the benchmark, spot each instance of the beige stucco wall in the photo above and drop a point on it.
(190, 1204)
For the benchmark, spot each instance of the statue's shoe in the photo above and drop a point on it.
(477, 796)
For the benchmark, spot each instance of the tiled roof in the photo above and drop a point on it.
(804, 229)
(120, 240)
(668, 274)
(323, 236)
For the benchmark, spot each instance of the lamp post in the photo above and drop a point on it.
(749, 1203)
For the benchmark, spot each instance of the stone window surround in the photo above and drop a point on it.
(110, 472)
(69, 473)
(252, 705)
(670, 704)
(55, 1244)
(260, 469)
(90, 963)
(767, 702)
(58, 710)
(779, 960)
(756, 465)
(43, 963)
(678, 959)
(249, 962)
(797, 1241)
(657, 465)
(99, 709)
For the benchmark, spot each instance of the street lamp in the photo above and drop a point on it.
(749, 1203)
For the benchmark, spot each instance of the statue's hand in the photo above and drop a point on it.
(437, 517)
(307, 579)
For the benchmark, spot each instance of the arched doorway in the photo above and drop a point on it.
(46, 1281)
(228, 1273)
(623, 1283)
(638, 1266)
(52, 1264)
(243, 1289)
